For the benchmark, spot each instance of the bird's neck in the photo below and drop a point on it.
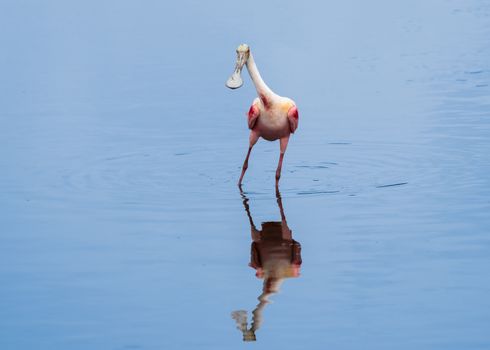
(260, 85)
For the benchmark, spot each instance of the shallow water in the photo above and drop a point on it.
(122, 226)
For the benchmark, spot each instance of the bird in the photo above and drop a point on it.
(270, 116)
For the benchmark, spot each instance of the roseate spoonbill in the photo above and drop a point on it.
(271, 116)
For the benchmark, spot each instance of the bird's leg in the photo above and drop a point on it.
(284, 144)
(245, 166)
(253, 140)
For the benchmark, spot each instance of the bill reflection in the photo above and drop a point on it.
(275, 256)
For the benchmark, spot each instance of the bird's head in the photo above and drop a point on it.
(242, 55)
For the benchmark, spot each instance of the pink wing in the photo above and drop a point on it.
(253, 115)
(293, 118)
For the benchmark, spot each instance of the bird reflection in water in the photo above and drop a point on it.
(275, 256)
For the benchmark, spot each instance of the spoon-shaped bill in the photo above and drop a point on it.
(235, 81)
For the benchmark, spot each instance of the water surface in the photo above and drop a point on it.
(122, 226)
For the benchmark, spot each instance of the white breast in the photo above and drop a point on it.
(272, 123)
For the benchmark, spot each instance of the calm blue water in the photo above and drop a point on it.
(122, 226)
